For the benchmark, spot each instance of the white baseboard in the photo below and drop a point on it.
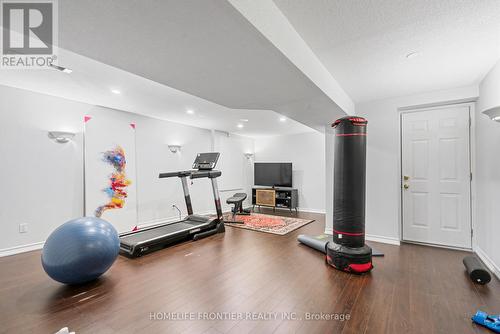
(21, 249)
(375, 238)
(488, 262)
(312, 210)
(382, 239)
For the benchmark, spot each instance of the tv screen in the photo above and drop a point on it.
(273, 174)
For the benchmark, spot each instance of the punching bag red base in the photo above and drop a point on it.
(347, 251)
(351, 260)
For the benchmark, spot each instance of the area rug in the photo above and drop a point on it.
(267, 223)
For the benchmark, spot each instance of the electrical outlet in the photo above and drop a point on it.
(23, 228)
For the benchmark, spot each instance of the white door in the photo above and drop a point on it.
(436, 176)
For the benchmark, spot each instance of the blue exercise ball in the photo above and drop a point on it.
(80, 250)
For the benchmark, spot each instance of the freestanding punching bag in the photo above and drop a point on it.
(348, 251)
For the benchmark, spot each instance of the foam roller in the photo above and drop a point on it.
(476, 270)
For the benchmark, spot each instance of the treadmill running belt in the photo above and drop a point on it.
(159, 231)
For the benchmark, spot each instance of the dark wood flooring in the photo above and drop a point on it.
(413, 289)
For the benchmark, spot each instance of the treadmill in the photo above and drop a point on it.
(193, 227)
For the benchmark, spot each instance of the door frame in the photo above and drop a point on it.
(472, 165)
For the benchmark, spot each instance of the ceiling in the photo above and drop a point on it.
(92, 82)
(204, 48)
(236, 60)
(364, 43)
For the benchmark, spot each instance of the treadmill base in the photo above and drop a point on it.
(133, 249)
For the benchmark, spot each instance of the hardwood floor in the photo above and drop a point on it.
(413, 289)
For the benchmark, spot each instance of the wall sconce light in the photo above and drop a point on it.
(174, 148)
(248, 156)
(493, 113)
(61, 136)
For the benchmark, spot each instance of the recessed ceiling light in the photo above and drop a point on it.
(243, 119)
(62, 69)
(413, 54)
(240, 125)
(189, 111)
(282, 119)
(115, 91)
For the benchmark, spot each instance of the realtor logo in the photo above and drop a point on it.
(29, 32)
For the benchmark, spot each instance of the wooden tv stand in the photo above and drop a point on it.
(275, 197)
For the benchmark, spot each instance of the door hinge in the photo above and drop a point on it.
(471, 232)
(471, 176)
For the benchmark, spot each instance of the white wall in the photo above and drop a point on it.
(489, 90)
(156, 197)
(488, 172)
(41, 181)
(383, 184)
(237, 169)
(307, 153)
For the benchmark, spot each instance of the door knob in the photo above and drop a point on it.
(406, 186)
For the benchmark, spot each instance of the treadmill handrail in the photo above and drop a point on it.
(205, 173)
(193, 174)
(181, 173)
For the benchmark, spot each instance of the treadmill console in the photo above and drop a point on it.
(206, 161)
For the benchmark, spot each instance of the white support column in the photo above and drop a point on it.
(329, 147)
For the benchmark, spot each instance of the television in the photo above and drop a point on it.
(273, 174)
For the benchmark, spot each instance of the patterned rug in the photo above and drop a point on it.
(267, 223)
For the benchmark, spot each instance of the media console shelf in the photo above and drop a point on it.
(278, 197)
